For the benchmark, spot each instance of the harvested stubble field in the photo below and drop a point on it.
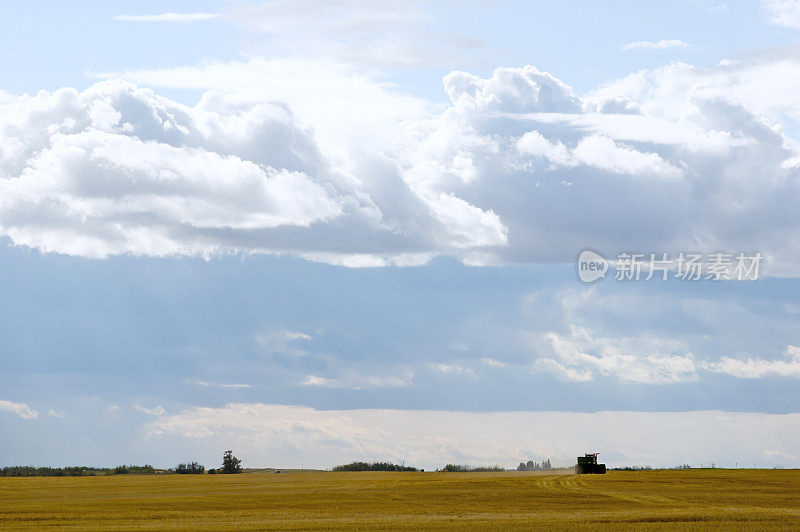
(642, 500)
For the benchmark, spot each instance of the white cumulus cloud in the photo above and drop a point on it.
(118, 170)
(20, 409)
(581, 355)
(289, 156)
(757, 368)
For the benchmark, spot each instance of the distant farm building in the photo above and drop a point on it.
(587, 464)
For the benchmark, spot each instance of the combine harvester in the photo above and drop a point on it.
(588, 465)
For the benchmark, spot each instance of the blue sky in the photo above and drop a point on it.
(48, 45)
(318, 232)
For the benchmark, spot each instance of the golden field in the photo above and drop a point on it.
(643, 500)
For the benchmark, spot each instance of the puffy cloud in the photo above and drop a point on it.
(669, 148)
(598, 151)
(20, 409)
(513, 90)
(348, 170)
(117, 169)
(603, 152)
(645, 360)
(746, 99)
(349, 111)
(581, 335)
(757, 368)
(288, 435)
(533, 143)
(118, 194)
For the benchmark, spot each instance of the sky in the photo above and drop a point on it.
(317, 232)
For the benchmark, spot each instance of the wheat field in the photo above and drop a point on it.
(642, 500)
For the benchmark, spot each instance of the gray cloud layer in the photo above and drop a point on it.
(279, 434)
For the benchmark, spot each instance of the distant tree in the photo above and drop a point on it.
(30, 471)
(454, 468)
(146, 469)
(230, 464)
(373, 466)
(485, 469)
(192, 468)
(134, 469)
(535, 466)
(74, 471)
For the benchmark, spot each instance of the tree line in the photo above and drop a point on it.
(374, 466)
(456, 468)
(230, 465)
(233, 465)
(530, 465)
